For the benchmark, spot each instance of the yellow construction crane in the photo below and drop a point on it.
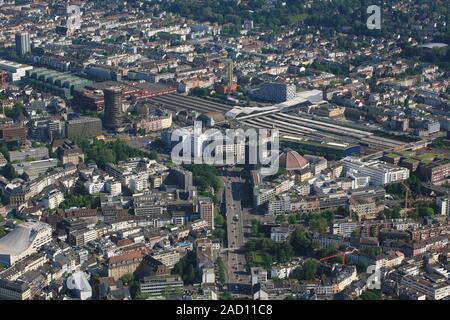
(230, 75)
(407, 195)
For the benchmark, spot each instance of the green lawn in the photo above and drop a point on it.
(393, 155)
(257, 258)
(426, 156)
(412, 161)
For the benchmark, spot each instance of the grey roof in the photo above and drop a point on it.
(21, 238)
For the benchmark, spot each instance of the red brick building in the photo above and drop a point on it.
(435, 172)
(10, 133)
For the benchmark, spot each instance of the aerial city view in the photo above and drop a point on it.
(225, 150)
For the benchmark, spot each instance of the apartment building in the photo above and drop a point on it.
(434, 291)
(206, 210)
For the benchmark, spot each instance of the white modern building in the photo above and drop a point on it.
(103, 184)
(380, 173)
(443, 204)
(433, 291)
(27, 238)
(16, 71)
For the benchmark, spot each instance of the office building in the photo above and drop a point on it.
(83, 127)
(159, 285)
(433, 291)
(180, 177)
(83, 236)
(35, 168)
(15, 71)
(443, 205)
(23, 44)
(435, 172)
(275, 92)
(28, 154)
(206, 210)
(113, 108)
(380, 173)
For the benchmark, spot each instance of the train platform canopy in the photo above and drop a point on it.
(309, 96)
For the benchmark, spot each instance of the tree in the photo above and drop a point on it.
(188, 269)
(371, 295)
(255, 227)
(79, 198)
(395, 213)
(318, 224)
(301, 244)
(219, 233)
(101, 152)
(389, 214)
(189, 274)
(415, 185)
(328, 215)
(127, 279)
(204, 177)
(153, 155)
(4, 149)
(219, 219)
(308, 271)
(221, 269)
(280, 218)
(142, 296)
(426, 211)
(15, 111)
(9, 172)
(263, 252)
(292, 219)
(226, 295)
(2, 231)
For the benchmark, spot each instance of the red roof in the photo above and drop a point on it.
(129, 256)
(292, 160)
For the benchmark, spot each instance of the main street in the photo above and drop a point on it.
(234, 256)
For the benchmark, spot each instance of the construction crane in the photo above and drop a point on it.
(230, 68)
(341, 254)
(407, 195)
